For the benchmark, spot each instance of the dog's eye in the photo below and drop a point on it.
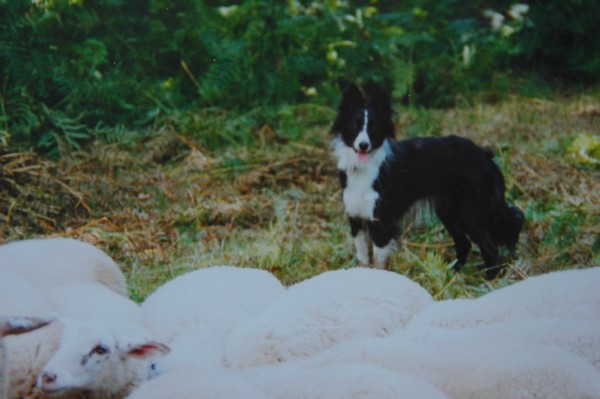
(100, 350)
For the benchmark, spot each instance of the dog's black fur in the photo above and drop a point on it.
(464, 184)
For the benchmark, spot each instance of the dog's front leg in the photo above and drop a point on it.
(362, 241)
(361, 244)
(382, 234)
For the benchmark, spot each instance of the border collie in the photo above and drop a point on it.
(382, 178)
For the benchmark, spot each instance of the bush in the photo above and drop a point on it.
(73, 68)
(562, 41)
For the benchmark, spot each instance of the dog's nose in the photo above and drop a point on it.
(363, 146)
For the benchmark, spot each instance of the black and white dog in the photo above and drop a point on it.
(382, 178)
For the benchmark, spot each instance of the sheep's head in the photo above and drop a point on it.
(97, 357)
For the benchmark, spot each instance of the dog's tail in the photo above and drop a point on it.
(420, 214)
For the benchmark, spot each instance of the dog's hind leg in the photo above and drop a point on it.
(462, 245)
(489, 251)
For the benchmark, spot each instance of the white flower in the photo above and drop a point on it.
(350, 18)
(496, 19)
(507, 30)
(468, 53)
(4, 138)
(226, 11)
(310, 91)
(517, 11)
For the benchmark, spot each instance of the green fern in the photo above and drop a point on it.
(63, 135)
(131, 64)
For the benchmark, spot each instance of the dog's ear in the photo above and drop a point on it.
(379, 97)
(352, 98)
(352, 101)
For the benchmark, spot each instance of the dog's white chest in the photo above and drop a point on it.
(359, 196)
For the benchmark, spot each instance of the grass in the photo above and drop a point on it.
(187, 197)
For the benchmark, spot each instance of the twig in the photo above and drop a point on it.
(445, 287)
(427, 245)
(76, 194)
(189, 73)
(192, 145)
(10, 211)
(307, 147)
(103, 219)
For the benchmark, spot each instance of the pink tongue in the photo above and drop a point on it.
(363, 156)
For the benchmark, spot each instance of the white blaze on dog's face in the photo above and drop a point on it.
(362, 143)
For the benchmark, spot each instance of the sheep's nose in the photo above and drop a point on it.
(363, 146)
(48, 378)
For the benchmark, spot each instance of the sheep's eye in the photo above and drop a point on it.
(100, 350)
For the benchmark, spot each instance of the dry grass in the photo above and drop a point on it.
(167, 206)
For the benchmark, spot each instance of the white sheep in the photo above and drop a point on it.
(287, 381)
(198, 350)
(470, 368)
(96, 319)
(100, 359)
(209, 301)
(194, 384)
(580, 337)
(322, 311)
(570, 294)
(48, 262)
(48, 278)
(18, 296)
(27, 354)
(87, 302)
(93, 301)
(14, 326)
(339, 381)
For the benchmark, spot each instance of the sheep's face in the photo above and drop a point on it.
(91, 357)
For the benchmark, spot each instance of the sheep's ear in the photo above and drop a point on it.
(20, 325)
(148, 349)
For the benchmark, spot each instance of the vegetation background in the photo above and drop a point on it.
(176, 135)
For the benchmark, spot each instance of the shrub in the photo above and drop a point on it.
(73, 68)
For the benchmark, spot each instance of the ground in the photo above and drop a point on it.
(166, 205)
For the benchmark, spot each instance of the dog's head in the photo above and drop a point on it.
(364, 119)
